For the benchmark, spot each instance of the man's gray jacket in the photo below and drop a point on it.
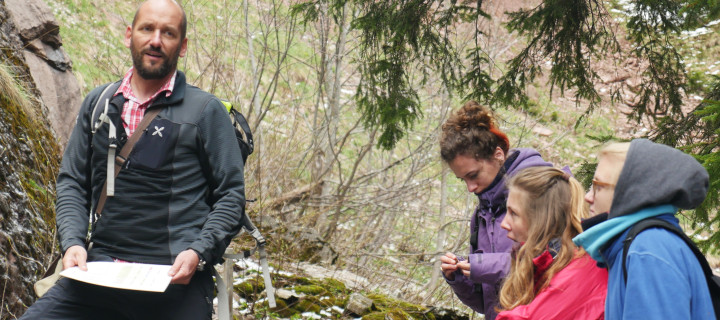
(181, 188)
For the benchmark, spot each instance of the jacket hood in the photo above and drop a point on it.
(517, 160)
(655, 174)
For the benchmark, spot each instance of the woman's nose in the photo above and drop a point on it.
(505, 224)
(471, 186)
(589, 196)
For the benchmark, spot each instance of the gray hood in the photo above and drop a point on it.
(655, 174)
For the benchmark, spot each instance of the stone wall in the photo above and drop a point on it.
(49, 66)
(32, 130)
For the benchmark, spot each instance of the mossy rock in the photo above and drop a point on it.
(374, 316)
(384, 302)
(327, 302)
(342, 301)
(281, 281)
(392, 314)
(281, 308)
(312, 289)
(308, 304)
(248, 289)
(333, 285)
(397, 314)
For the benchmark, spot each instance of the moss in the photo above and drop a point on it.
(314, 290)
(342, 302)
(392, 306)
(248, 289)
(281, 308)
(374, 316)
(41, 167)
(333, 285)
(384, 302)
(327, 302)
(397, 314)
(292, 280)
(308, 304)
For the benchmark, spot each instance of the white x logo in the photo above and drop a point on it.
(158, 131)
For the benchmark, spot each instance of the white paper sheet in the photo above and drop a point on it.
(130, 276)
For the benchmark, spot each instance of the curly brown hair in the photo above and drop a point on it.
(471, 131)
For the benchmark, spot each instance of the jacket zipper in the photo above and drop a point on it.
(492, 234)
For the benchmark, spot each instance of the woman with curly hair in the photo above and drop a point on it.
(479, 153)
(550, 277)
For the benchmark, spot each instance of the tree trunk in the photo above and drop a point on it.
(436, 273)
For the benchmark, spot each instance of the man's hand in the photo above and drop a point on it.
(184, 267)
(449, 265)
(75, 256)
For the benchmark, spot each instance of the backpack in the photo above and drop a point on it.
(242, 130)
(713, 281)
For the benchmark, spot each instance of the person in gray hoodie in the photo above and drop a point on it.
(635, 181)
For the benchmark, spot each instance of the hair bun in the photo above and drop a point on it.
(472, 131)
(473, 115)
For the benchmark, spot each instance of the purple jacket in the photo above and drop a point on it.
(490, 255)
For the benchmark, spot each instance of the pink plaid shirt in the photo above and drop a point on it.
(134, 109)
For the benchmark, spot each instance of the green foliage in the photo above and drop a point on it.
(652, 27)
(398, 39)
(567, 32)
(697, 134)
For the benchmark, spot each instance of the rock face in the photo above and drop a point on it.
(49, 66)
(39, 97)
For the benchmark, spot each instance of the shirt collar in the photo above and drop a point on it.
(126, 89)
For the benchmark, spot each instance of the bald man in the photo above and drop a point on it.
(178, 198)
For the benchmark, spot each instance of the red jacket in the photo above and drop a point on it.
(576, 292)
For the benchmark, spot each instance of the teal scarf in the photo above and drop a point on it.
(595, 238)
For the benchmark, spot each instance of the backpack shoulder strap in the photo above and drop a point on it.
(107, 93)
(712, 280)
(657, 223)
(120, 159)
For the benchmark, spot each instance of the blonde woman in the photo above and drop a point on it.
(550, 278)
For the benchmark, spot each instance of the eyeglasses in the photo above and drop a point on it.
(597, 185)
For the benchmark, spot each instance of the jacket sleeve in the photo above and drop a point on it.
(489, 267)
(223, 159)
(73, 184)
(484, 268)
(465, 291)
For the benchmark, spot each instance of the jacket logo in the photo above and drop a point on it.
(158, 131)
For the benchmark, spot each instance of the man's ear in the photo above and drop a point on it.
(128, 36)
(183, 47)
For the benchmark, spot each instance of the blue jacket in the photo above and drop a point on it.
(664, 279)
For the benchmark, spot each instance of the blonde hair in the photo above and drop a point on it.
(615, 152)
(553, 208)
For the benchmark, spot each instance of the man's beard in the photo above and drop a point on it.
(156, 72)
